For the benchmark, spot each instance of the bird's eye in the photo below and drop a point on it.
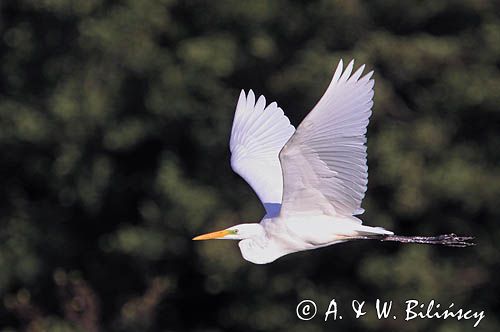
(235, 231)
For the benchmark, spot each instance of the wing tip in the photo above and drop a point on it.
(344, 74)
(369, 75)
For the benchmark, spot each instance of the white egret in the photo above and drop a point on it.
(312, 180)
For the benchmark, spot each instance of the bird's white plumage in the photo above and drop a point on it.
(313, 188)
(324, 163)
(257, 136)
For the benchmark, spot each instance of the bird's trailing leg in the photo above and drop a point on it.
(450, 240)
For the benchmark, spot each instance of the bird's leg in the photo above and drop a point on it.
(450, 240)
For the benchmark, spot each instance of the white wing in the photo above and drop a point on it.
(257, 136)
(324, 163)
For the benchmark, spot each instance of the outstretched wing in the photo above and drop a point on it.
(257, 136)
(324, 163)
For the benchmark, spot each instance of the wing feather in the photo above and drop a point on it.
(324, 162)
(257, 136)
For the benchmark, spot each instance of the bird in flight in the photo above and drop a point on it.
(311, 180)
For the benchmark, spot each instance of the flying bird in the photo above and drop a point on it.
(311, 180)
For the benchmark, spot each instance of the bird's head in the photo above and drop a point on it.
(253, 245)
(238, 232)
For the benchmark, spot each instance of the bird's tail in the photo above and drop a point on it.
(379, 233)
(369, 231)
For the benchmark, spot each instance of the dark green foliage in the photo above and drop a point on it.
(114, 126)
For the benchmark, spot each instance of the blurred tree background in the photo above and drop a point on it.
(114, 125)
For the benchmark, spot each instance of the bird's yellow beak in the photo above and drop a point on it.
(214, 235)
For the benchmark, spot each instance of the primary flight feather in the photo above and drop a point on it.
(311, 181)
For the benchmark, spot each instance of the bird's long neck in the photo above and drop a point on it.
(260, 248)
(255, 231)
